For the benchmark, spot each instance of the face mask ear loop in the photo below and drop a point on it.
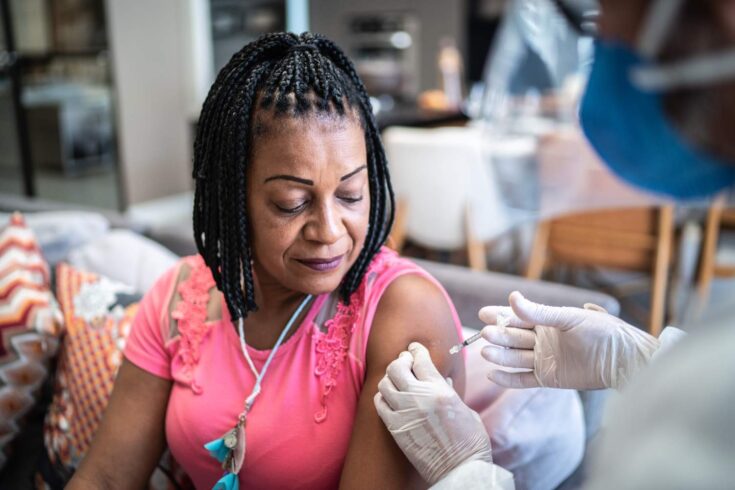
(656, 27)
(696, 72)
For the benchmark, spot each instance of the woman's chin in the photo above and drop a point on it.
(316, 286)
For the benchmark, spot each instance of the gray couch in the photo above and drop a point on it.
(469, 290)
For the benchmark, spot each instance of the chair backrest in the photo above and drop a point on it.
(439, 174)
(635, 239)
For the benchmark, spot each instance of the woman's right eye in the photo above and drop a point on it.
(291, 210)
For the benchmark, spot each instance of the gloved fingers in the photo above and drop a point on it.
(515, 358)
(397, 421)
(399, 371)
(490, 314)
(385, 412)
(423, 367)
(518, 338)
(389, 392)
(513, 380)
(562, 317)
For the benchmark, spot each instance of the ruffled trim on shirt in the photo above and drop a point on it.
(191, 315)
(333, 345)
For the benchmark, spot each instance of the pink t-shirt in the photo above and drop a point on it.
(299, 429)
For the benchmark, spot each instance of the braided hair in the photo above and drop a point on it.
(287, 74)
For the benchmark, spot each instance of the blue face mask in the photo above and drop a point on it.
(629, 129)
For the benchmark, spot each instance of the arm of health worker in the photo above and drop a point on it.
(564, 347)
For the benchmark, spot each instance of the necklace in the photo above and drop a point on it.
(230, 448)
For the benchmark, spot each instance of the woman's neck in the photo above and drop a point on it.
(271, 297)
(276, 304)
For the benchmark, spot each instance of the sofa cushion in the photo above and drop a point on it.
(98, 313)
(27, 311)
(124, 256)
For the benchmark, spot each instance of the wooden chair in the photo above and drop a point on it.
(474, 248)
(636, 239)
(718, 216)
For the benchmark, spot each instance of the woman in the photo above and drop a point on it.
(291, 286)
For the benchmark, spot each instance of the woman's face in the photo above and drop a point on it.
(308, 201)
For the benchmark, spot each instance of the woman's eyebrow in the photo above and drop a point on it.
(293, 178)
(357, 170)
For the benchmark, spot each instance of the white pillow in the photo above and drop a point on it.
(58, 232)
(538, 433)
(124, 256)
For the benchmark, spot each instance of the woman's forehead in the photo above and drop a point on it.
(309, 144)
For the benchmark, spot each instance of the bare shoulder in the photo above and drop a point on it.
(414, 309)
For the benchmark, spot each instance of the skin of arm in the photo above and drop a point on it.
(131, 437)
(411, 309)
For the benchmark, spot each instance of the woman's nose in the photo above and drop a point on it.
(326, 226)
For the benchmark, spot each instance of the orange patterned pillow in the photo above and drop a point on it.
(27, 314)
(97, 318)
(98, 314)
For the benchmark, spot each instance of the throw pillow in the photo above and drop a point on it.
(124, 256)
(98, 314)
(26, 309)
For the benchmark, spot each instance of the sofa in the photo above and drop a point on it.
(469, 290)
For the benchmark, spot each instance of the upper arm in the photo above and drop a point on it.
(411, 309)
(130, 438)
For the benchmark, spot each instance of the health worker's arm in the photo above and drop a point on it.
(411, 309)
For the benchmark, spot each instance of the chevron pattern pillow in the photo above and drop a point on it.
(29, 318)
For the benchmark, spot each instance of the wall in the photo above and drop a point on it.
(160, 73)
(438, 18)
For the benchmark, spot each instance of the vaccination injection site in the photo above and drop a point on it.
(356, 245)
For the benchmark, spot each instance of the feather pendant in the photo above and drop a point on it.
(227, 482)
(230, 448)
(237, 453)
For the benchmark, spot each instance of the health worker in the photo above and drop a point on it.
(659, 109)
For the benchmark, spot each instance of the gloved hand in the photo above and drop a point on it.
(563, 347)
(433, 427)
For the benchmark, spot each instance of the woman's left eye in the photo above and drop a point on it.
(351, 199)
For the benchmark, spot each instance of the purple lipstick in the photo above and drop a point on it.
(322, 265)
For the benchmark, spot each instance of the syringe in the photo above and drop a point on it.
(502, 321)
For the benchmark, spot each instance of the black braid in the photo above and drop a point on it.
(288, 74)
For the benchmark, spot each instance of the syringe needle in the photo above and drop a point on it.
(502, 321)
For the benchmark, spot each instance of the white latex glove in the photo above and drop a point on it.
(563, 347)
(433, 427)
